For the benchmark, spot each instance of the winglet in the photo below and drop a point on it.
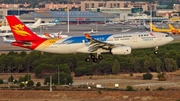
(87, 36)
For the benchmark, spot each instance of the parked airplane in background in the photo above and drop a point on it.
(163, 30)
(174, 31)
(56, 35)
(91, 32)
(55, 22)
(8, 34)
(112, 23)
(35, 25)
(121, 44)
(46, 35)
(2, 23)
(31, 26)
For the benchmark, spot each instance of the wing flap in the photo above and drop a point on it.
(96, 44)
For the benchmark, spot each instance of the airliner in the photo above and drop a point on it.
(8, 34)
(92, 32)
(31, 26)
(56, 35)
(169, 30)
(46, 35)
(55, 22)
(120, 44)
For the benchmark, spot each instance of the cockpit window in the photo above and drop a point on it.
(167, 35)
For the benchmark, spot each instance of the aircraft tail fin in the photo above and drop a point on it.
(20, 31)
(37, 23)
(152, 26)
(171, 27)
(56, 20)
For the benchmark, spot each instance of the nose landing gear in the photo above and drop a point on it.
(156, 51)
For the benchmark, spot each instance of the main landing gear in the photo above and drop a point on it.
(93, 58)
(156, 50)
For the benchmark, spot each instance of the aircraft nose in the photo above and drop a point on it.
(171, 39)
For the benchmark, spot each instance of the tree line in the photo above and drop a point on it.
(44, 64)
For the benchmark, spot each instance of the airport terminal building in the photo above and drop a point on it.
(30, 15)
(74, 16)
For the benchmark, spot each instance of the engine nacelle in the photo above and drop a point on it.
(121, 50)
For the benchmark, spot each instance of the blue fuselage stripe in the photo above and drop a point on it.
(78, 39)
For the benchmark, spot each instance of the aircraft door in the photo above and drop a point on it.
(135, 38)
(158, 37)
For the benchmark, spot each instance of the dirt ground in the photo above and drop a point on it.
(170, 93)
(14, 95)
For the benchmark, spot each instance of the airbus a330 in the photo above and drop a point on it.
(120, 44)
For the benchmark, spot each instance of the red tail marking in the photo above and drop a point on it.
(23, 35)
(20, 31)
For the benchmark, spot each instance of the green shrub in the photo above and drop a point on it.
(38, 84)
(30, 83)
(131, 74)
(47, 80)
(160, 88)
(15, 81)
(129, 88)
(147, 89)
(161, 77)
(10, 79)
(147, 76)
(1, 81)
(99, 91)
(21, 85)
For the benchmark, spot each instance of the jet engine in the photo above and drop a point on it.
(121, 50)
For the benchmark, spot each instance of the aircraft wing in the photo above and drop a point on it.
(96, 44)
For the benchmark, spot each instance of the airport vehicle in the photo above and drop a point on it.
(174, 31)
(31, 26)
(121, 44)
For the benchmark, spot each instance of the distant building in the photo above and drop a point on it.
(53, 6)
(116, 4)
(13, 6)
(176, 7)
(164, 12)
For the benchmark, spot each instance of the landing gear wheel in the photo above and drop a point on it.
(155, 52)
(95, 60)
(87, 59)
(91, 56)
(100, 57)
